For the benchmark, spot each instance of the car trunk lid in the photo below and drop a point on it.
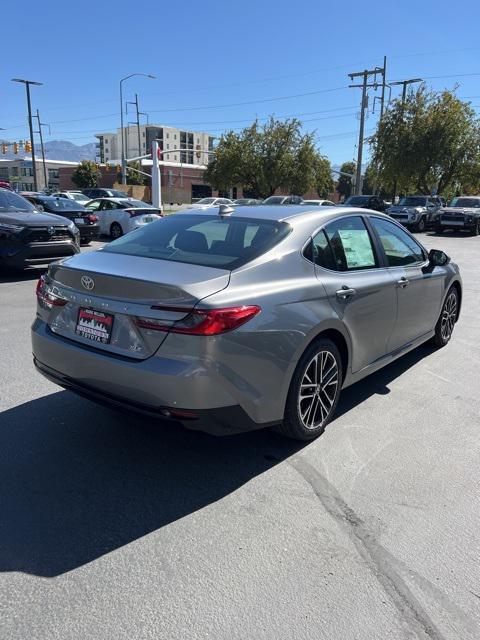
(107, 293)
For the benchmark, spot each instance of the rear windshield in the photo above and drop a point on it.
(61, 204)
(10, 201)
(353, 200)
(209, 241)
(138, 204)
(413, 201)
(465, 202)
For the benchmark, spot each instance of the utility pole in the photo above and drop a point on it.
(137, 123)
(404, 84)
(27, 84)
(40, 125)
(365, 75)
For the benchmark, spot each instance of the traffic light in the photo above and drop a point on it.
(198, 153)
(4, 148)
(28, 146)
(15, 147)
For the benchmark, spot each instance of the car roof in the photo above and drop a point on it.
(294, 213)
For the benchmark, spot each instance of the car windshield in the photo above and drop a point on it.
(212, 241)
(113, 193)
(413, 201)
(10, 201)
(206, 201)
(471, 203)
(274, 200)
(354, 200)
(138, 204)
(80, 197)
(60, 204)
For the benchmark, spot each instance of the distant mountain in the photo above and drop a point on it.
(58, 150)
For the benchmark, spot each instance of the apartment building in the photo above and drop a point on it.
(138, 142)
(19, 173)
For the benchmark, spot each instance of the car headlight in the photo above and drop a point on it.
(11, 228)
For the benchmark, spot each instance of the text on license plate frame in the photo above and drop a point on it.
(94, 325)
(79, 221)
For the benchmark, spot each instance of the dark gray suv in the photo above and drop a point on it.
(28, 237)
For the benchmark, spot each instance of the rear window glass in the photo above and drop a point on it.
(10, 200)
(210, 241)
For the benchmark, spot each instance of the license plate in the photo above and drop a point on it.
(79, 221)
(458, 223)
(149, 218)
(94, 325)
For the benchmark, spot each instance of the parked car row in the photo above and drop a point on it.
(431, 212)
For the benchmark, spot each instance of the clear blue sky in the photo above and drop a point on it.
(213, 53)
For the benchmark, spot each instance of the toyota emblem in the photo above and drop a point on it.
(87, 283)
(51, 230)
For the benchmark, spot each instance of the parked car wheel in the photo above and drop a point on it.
(476, 229)
(420, 226)
(314, 392)
(447, 319)
(116, 231)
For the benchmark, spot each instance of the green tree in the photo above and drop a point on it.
(264, 158)
(324, 184)
(344, 183)
(429, 142)
(87, 174)
(133, 177)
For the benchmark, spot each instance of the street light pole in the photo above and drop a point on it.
(27, 83)
(124, 161)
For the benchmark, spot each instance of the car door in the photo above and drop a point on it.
(419, 290)
(359, 288)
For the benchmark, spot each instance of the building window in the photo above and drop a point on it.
(168, 135)
(14, 171)
(174, 136)
(4, 172)
(144, 134)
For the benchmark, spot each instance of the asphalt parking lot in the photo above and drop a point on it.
(117, 527)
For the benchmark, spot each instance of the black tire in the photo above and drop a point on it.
(447, 319)
(322, 401)
(476, 229)
(116, 231)
(420, 226)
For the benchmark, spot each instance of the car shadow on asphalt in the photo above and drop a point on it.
(78, 481)
(377, 383)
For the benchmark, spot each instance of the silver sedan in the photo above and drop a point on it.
(235, 319)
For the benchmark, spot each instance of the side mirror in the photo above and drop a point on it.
(438, 258)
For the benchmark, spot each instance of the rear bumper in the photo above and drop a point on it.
(89, 232)
(25, 255)
(155, 387)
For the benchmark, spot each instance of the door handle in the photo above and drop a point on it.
(403, 282)
(345, 292)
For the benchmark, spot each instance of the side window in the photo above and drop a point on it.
(400, 248)
(321, 251)
(350, 244)
(94, 205)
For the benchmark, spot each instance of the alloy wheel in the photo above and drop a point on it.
(449, 316)
(318, 389)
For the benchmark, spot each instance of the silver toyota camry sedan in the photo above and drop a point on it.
(235, 319)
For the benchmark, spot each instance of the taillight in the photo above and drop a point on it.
(92, 218)
(203, 322)
(46, 296)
